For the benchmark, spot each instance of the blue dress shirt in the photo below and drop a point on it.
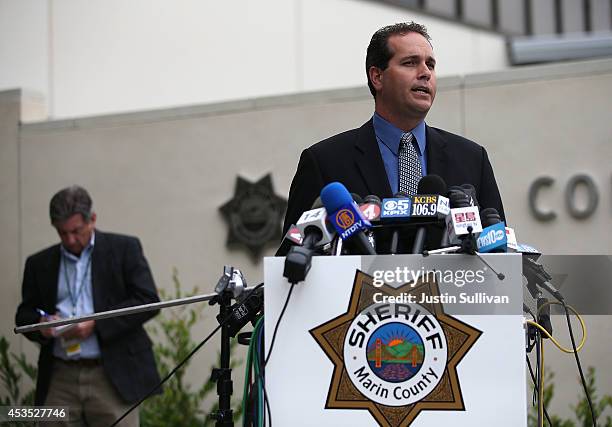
(75, 272)
(388, 137)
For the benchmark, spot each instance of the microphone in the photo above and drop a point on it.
(463, 220)
(468, 190)
(293, 235)
(315, 233)
(528, 251)
(522, 248)
(493, 236)
(471, 192)
(535, 273)
(426, 204)
(313, 226)
(511, 236)
(396, 210)
(317, 203)
(356, 198)
(346, 217)
(489, 216)
(457, 199)
(371, 210)
(537, 277)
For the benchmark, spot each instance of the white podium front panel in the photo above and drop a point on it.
(343, 356)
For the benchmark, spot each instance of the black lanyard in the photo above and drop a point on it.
(74, 299)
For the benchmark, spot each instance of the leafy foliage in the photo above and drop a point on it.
(581, 410)
(180, 404)
(12, 370)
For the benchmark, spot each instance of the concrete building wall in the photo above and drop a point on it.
(557, 126)
(10, 214)
(162, 175)
(109, 56)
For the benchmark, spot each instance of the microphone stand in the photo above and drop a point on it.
(223, 374)
(232, 319)
(534, 337)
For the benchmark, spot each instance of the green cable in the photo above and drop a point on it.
(259, 413)
(246, 384)
(258, 327)
(249, 365)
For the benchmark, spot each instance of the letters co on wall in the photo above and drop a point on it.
(581, 196)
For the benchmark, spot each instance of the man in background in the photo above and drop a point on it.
(96, 368)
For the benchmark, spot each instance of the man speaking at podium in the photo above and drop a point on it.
(96, 368)
(394, 149)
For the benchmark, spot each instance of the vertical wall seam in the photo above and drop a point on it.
(463, 104)
(50, 61)
(494, 14)
(587, 16)
(20, 260)
(299, 46)
(558, 16)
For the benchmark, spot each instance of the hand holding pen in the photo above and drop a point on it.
(46, 317)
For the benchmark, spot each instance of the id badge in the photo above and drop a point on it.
(71, 347)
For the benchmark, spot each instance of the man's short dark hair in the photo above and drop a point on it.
(68, 202)
(378, 53)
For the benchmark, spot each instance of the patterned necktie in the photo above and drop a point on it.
(409, 165)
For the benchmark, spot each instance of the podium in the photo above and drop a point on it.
(397, 340)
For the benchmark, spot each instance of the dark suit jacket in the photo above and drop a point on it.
(120, 277)
(353, 158)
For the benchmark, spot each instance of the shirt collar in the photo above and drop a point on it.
(390, 135)
(86, 251)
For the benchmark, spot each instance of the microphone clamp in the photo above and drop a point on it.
(232, 280)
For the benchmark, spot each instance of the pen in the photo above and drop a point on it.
(43, 313)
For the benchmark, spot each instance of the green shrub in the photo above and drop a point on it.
(180, 404)
(12, 370)
(582, 413)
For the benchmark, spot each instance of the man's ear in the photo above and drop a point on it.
(376, 76)
(92, 220)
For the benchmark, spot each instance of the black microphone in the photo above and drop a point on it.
(468, 191)
(464, 218)
(489, 216)
(316, 233)
(395, 233)
(429, 184)
(471, 192)
(457, 199)
(298, 260)
(536, 274)
(356, 198)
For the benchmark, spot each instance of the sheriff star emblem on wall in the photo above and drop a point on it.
(254, 215)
